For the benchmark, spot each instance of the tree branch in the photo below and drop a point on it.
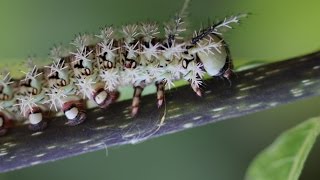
(253, 90)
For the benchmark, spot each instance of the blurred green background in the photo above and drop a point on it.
(276, 30)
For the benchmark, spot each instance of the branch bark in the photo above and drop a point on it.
(252, 90)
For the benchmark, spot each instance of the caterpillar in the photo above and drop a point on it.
(97, 65)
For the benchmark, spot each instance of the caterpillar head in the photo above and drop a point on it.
(213, 53)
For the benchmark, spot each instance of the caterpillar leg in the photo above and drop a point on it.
(3, 131)
(104, 98)
(136, 100)
(227, 71)
(37, 123)
(3, 128)
(160, 92)
(39, 126)
(74, 112)
(114, 96)
(5, 123)
(196, 89)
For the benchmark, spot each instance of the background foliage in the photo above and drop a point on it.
(275, 30)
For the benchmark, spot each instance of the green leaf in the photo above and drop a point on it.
(285, 157)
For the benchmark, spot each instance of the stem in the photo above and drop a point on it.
(252, 90)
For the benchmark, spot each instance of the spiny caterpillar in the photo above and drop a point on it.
(99, 64)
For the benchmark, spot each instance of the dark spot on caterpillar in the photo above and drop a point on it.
(54, 76)
(103, 57)
(79, 64)
(100, 60)
(188, 47)
(26, 83)
(147, 44)
(78, 76)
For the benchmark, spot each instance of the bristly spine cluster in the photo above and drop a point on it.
(32, 75)
(149, 31)
(26, 104)
(5, 79)
(56, 98)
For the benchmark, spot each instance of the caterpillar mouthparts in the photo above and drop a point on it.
(99, 64)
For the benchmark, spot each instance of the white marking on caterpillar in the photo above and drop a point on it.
(35, 118)
(72, 113)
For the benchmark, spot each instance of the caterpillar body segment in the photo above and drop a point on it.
(85, 64)
(62, 91)
(32, 97)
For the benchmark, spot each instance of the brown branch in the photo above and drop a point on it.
(253, 90)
